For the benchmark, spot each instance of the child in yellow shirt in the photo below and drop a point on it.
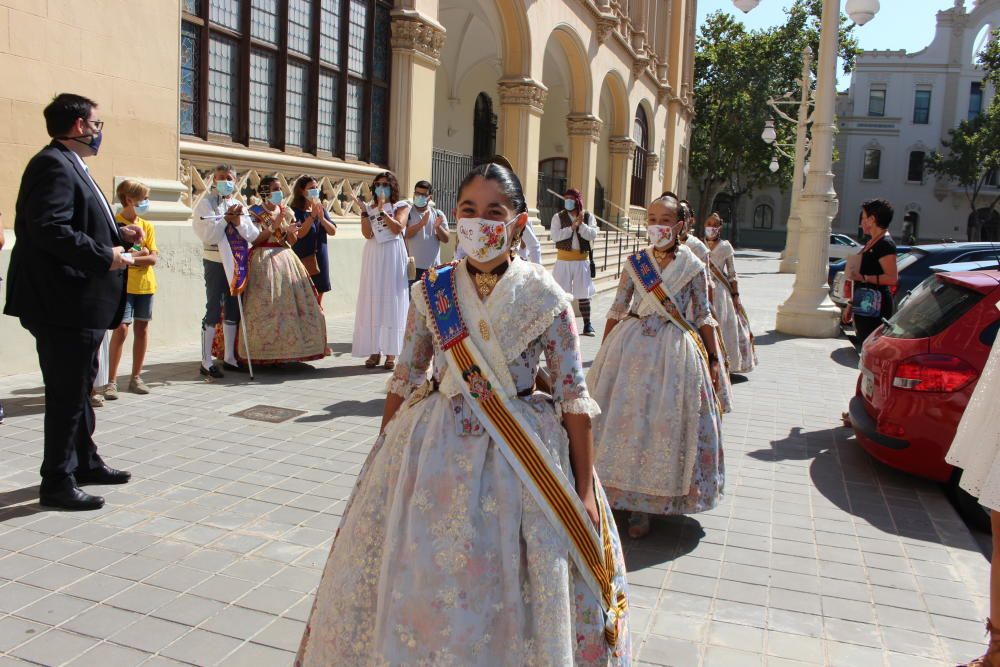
(140, 287)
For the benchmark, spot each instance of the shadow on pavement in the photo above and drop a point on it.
(372, 408)
(770, 338)
(670, 537)
(889, 500)
(12, 503)
(846, 356)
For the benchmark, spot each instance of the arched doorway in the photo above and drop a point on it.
(911, 222)
(484, 130)
(984, 225)
(640, 134)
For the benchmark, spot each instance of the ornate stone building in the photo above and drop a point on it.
(594, 94)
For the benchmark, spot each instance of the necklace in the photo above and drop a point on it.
(486, 281)
(662, 255)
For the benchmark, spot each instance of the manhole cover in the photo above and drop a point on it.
(268, 413)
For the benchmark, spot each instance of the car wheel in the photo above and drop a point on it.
(975, 515)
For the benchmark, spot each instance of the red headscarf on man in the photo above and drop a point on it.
(575, 195)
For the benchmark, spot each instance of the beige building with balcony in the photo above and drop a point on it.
(593, 94)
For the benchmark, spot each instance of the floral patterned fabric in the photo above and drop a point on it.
(443, 557)
(659, 437)
(735, 328)
(284, 321)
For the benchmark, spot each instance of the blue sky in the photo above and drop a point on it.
(900, 24)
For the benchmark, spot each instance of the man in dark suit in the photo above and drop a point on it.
(66, 283)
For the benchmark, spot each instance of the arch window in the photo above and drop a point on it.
(640, 134)
(873, 164)
(763, 217)
(484, 130)
(308, 74)
(915, 167)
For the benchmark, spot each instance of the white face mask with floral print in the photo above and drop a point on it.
(483, 240)
(712, 233)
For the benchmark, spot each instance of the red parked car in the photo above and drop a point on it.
(918, 371)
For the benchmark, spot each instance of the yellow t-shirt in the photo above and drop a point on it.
(141, 279)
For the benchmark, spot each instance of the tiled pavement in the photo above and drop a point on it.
(817, 556)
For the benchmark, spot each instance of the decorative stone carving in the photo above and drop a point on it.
(640, 64)
(606, 24)
(621, 146)
(411, 34)
(584, 125)
(652, 161)
(523, 91)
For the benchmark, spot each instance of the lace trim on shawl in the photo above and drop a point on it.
(523, 306)
(584, 405)
(722, 251)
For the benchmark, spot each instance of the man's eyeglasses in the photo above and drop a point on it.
(98, 124)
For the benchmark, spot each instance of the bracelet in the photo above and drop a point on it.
(713, 357)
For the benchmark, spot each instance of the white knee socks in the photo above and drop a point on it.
(207, 338)
(229, 333)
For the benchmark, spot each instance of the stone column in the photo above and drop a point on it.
(653, 180)
(622, 151)
(522, 102)
(584, 134)
(416, 48)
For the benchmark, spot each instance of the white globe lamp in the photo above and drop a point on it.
(746, 5)
(774, 166)
(862, 11)
(769, 135)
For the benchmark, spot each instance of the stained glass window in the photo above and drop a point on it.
(223, 85)
(381, 43)
(264, 20)
(190, 68)
(357, 29)
(299, 25)
(225, 13)
(327, 121)
(329, 32)
(263, 75)
(295, 107)
(352, 137)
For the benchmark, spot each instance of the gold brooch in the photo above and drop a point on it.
(484, 329)
(432, 276)
(485, 282)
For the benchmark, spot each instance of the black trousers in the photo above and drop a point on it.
(217, 296)
(68, 358)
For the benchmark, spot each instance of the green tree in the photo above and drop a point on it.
(971, 155)
(736, 72)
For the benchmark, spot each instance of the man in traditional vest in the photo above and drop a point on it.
(573, 229)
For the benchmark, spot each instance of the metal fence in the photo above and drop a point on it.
(447, 171)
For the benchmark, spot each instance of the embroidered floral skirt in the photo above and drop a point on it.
(735, 332)
(659, 438)
(443, 558)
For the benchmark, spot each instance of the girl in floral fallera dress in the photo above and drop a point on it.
(444, 555)
(659, 437)
(733, 320)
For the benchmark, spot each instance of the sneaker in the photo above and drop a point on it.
(137, 386)
(588, 330)
(97, 401)
(111, 391)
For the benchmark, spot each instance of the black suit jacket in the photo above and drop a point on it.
(64, 236)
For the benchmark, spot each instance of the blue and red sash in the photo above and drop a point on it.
(591, 550)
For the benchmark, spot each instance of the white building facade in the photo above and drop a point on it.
(899, 109)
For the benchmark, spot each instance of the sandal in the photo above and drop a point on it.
(638, 525)
(390, 363)
(372, 361)
(992, 656)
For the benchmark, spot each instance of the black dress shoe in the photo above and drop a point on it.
(102, 475)
(236, 368)
(70, 497)
(212, 371)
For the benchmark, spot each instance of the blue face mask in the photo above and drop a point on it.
(569, 204)
(276, 197)
(142, 206)
(383, 191)
(312, 193)
(420, 201)
(225, 188)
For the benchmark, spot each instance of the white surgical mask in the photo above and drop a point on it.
(660, 236)
(225, 188)
(420, 201)
(312, 193)
(483, 240)
(712, 233)
(142, 206)
(276, 197)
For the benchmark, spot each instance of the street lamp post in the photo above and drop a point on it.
(808, 311)
(790, 255)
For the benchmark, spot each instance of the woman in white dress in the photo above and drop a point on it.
(447, 554)
(380, 316)
(733, 320)
(976, 450)
(659, 437)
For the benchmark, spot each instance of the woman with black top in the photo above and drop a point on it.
(314, 225)
(878, 269)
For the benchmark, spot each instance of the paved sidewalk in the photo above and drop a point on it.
(817, 556)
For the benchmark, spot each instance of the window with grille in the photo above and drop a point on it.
(640, 134)
(763, 217)
(873, 164)
(922, 107)
(915, 167)
(300, 75)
